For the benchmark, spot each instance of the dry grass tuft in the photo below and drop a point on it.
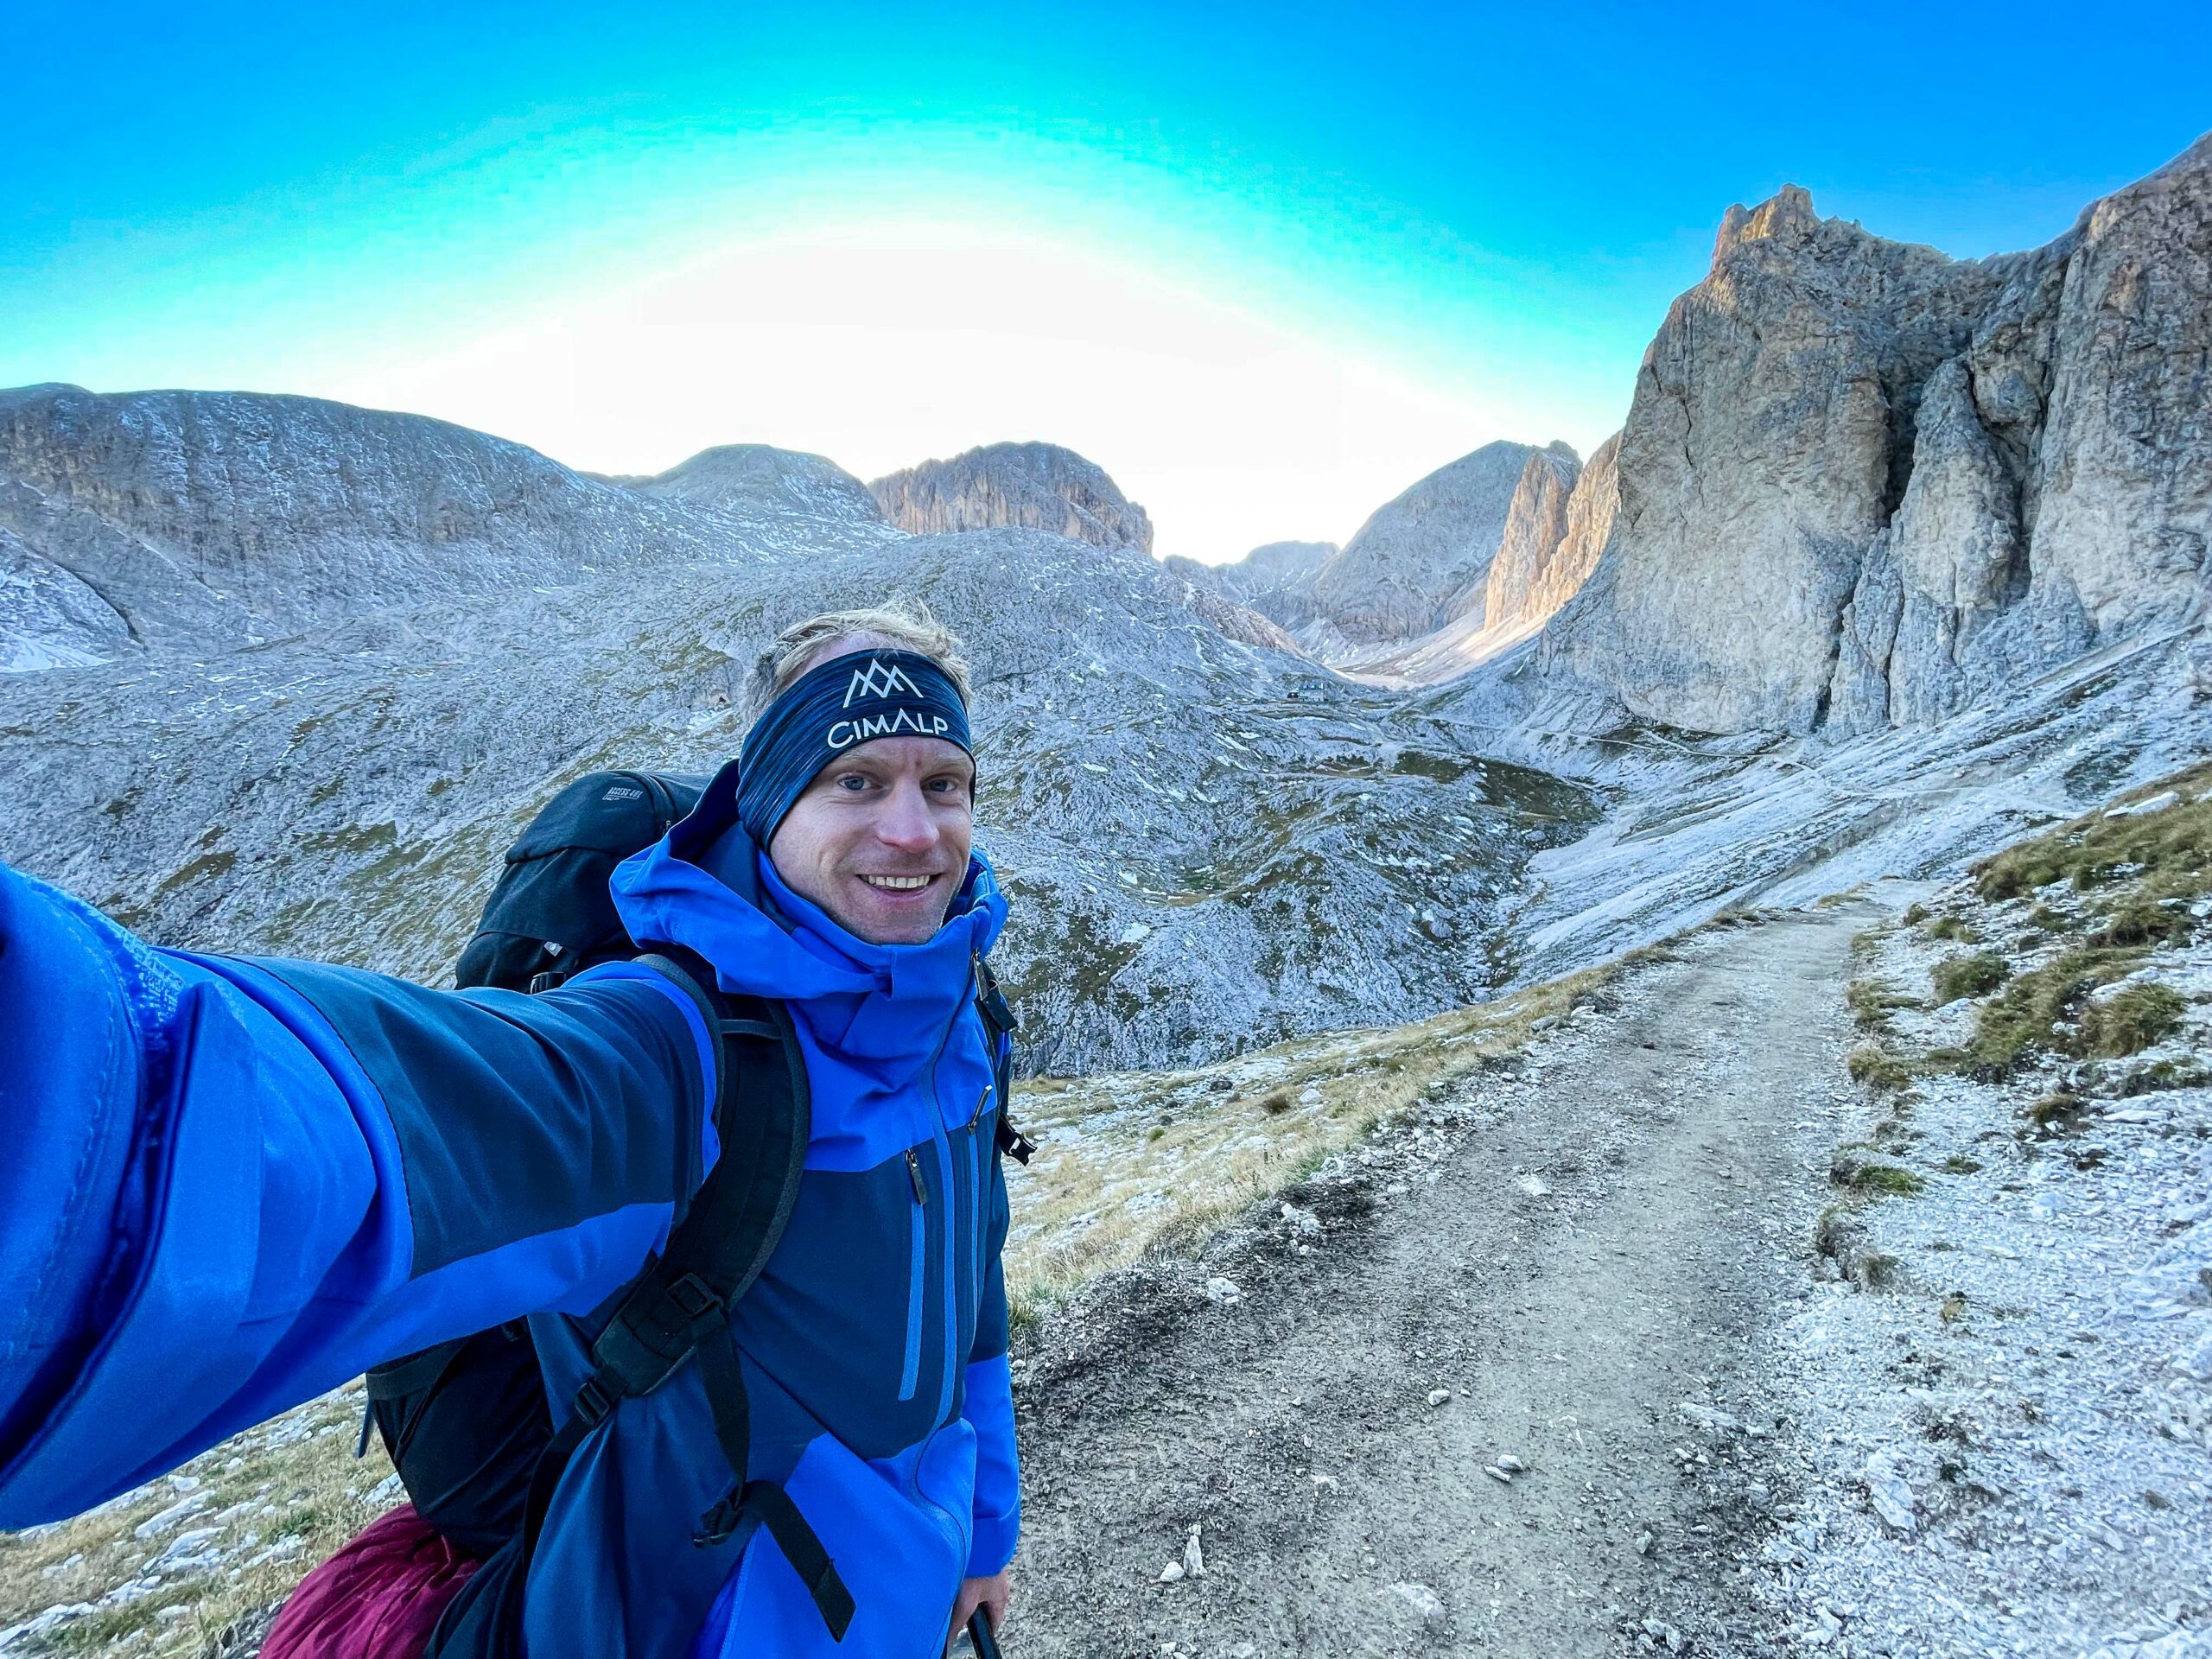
(2165, 854)
(1972, 975)
(1880, 1070)
(1872, 1001)
(278, 1499)
(2130, 1020)
(1134, 1163)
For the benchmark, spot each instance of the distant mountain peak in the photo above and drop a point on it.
(731, 474)
(1021, 485)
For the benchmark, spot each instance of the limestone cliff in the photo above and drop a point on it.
(1555, 526)
(1862, 484)
(1014, 486)
(1546, 551)
(1273, 584)
(1422, 559)
(744, 475)
(202, 521)
(1277, 573)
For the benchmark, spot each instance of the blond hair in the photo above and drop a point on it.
(896, 625)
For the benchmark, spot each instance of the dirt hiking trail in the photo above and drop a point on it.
(1587, 1249)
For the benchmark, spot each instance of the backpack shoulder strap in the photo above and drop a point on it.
(679, 1306)
(1000, 1027)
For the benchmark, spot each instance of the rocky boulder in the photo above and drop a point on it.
(1017, 486)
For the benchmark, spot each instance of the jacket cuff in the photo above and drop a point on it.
(997, 1537)
(997, 1507)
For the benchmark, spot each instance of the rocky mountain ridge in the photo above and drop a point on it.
(1863, 485)
(1422, 559)
(1470, 560)
(1942, 479)
(188, 521)
(737, 476)
(1212, 841)
(1014, 486)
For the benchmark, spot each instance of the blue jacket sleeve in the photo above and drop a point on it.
(989, 1409)
(230, 1185)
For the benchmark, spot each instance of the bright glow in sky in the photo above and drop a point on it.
(880, 344)
(1266, 264)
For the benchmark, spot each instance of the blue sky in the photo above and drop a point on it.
(1266, 264)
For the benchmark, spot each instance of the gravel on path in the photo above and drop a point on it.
(1492, 1383)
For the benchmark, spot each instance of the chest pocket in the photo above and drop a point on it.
(949, 1191)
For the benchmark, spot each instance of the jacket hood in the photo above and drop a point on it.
(875, 1015)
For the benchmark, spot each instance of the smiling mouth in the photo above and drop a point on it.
(898, 883)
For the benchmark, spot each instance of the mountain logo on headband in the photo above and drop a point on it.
(878, 680)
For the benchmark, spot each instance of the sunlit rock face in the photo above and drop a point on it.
(1862, 484)
(1555, 525)
(1520, 587)
(1014, 486)
(1421, 561)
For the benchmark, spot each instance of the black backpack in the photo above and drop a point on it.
(466, 1422)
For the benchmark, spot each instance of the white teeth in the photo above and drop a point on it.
(897, 883)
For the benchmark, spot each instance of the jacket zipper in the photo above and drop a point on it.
(917, 1234)
(978, 1152)
(917, 1258)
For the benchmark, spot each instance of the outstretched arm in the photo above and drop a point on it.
(231, 1183)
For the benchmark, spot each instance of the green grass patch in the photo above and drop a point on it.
(2130, 1020)
(1878, 1069)
(1887, 1181)
(2034, 1013)
(1959, 1164)
(1952, 928)
(1970, 976)
(2169, 852)
(1854, 1171)
(1872, 1001)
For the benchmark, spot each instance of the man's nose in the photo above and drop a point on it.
(905, 822)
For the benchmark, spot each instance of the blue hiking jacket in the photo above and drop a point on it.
(232, 1184)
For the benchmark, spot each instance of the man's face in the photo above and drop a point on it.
(880, 839)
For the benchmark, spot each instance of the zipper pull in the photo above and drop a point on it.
(984, 1099)
(914, 1174)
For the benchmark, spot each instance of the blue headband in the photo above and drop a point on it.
(846, 701)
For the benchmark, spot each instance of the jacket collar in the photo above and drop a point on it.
(882, 1009)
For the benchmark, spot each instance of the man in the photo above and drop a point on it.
(234, 1183)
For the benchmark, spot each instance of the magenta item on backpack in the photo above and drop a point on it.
(378, 1598)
